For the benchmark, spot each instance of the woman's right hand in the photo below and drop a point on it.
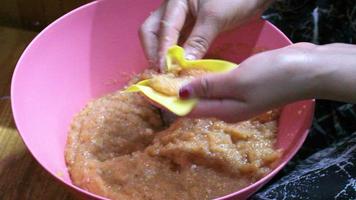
(274, 78)
(208, 18)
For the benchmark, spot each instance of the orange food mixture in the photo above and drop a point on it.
(119, 148)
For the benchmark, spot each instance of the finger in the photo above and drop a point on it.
(172, 23)
(205, 30)
(226, 110)
(149, 35)
(213, 86)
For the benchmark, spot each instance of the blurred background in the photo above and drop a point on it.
(20, 175)
(34, 15)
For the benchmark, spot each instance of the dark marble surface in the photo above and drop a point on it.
(327, 174)
(325, 167)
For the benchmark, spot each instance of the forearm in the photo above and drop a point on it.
(334, 72)
(259, 6)
(263, 4)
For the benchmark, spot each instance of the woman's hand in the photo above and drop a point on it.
(275, 78)
(164, 27)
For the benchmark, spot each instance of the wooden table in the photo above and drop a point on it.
(21, 177)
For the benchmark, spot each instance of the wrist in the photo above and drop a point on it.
(319, 75)
(297, 63)
(334, 69)
(326, 71)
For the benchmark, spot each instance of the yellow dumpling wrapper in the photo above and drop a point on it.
(175, 58)
(174, 104)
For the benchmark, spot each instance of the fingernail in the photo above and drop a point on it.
(190, 57)
(185, 92)
(191, 53)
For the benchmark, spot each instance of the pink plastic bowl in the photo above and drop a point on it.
(89, 52)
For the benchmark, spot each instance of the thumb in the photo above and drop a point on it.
(213, 86)
(205, 30)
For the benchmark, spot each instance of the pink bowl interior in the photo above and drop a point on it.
(92, 51)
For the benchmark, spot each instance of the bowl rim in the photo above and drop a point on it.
(73, 187)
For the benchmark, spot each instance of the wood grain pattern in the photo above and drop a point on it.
(21, 177)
